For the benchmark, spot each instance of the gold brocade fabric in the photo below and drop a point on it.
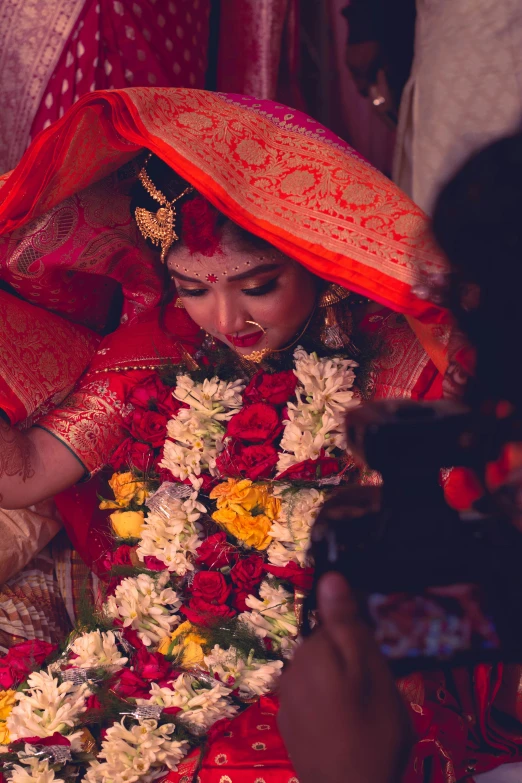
(299, 184)
(41, 357)
(89, 423)
(266, 35)
(32, 35)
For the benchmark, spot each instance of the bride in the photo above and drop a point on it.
(259, 231)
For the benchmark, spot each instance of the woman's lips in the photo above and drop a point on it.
(246, 340)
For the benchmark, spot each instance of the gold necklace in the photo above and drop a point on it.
(256, 357)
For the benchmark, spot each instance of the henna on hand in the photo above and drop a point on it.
(15, 454)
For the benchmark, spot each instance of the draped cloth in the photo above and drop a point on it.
(274, 171)
(54, 51)
(264, 58)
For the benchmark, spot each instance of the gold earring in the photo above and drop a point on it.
(179, 304)
(337, 324)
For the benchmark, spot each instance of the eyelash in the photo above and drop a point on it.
(261, 290)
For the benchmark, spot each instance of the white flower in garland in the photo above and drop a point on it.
(146, 605)
(291, 530)
(47, 706)
(316, 420)
(139, 753)
(250, 676)
(36, 771)
(96, 649)
(201, 704)
(171, 535)
(213, 398)
(272, 617)
(196, 433)
(327, 383)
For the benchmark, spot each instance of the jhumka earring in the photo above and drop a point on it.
(158, 226)
(179, 304)
(337, 325)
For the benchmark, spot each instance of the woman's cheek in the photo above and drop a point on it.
(198, 313)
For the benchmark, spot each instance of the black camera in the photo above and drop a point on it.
(437, 585)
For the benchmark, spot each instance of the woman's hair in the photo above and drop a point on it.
(477, 222)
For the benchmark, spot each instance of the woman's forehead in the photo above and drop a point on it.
(225, 263)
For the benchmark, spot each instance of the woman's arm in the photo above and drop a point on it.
(34, 465)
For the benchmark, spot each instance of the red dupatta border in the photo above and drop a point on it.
(269, 168)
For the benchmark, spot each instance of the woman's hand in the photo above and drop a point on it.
(33, 466)
(341, 715)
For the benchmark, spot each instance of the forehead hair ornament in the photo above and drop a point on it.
(158, 226)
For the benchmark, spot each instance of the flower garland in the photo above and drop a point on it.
(215, 492)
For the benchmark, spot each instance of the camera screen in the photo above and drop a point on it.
(438, 623)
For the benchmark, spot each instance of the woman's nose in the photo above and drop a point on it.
(229, 318)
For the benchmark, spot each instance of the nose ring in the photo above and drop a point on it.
(254, 323)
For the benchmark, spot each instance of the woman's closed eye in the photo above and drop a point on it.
(258, 290)
(191, 291)
(261, 290)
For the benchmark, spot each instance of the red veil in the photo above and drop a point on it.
(273, 170)
(67, 241)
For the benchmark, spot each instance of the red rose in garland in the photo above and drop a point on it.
(122, 556)
(141, 457)
(134, 455)
(129, 686)
(151, 666)
(210, 586)
(208, 602)
(119, 457)
(46, 742)
(247, 573)
(257, 423)
(311, 469)
(153, 395)
(246, 576)
(239, 600)
(153, 564)
(215, 552)
(201, 612)
(276, 389)
(301, 578)
(148, 426)
(252, 462)
(21, 660)
(92, 702)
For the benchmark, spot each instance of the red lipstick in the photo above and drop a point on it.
(246, 340)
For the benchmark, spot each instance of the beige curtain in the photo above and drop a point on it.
(464, 92)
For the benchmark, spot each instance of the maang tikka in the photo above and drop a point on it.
(158, 226)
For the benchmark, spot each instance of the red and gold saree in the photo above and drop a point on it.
(68, 243)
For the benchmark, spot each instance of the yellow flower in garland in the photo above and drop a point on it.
(246, 510)
(4, 733)
(7, 702)
(127, 524)
(189, 647)
(126, 491)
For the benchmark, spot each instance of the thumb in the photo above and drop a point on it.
(335, 601)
